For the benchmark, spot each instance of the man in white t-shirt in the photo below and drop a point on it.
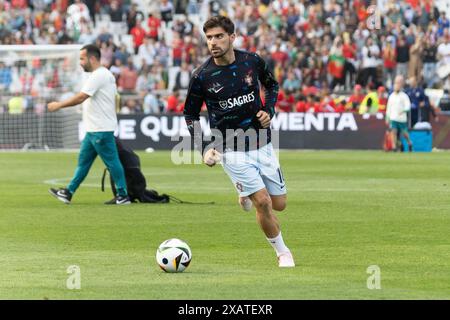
(99, 116)
(398, 105)
(443, 55)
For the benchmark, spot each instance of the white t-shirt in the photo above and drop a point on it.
(397, 106)
(372, 61)
(99, 111)
(444, 51)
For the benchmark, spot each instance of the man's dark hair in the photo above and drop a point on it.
(92, 51)
(219, 21)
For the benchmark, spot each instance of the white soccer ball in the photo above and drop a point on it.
(173, 255)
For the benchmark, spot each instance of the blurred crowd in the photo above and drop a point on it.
(328, 56)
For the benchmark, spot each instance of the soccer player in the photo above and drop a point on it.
(396, 114)
(100, 119)
(229, 84)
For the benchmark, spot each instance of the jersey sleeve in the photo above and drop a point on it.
(194, 100)
(192, 108)
(270, 86)
(92, 84)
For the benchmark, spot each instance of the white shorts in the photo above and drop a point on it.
(254, 170)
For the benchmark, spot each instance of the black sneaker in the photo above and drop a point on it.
(61, 194)
(119, 200)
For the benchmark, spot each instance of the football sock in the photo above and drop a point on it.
(278, 244)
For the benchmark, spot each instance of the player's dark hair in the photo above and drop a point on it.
(219, 21)
(92, 51)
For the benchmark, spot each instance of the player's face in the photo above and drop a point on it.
(398, 84)
(219, 42)
(84, 61)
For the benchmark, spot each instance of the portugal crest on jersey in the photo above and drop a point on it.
(248, 79)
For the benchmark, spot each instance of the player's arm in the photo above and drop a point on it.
(72, 101)
(93, 83)
(407, 103)
(270, 91)
(388, 109)
(192, 107)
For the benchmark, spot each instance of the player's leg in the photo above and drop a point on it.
(407, 138)
(279, 203)
(86, 157)
(272, 176)
(264, 215)
(268, 222)
(394, 137)
(245, 175)
(107, 150)
(245, 172)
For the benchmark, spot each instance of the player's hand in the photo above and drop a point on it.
(263, 118)
(53, 106)
(211, 157)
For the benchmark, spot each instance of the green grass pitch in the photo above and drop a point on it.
(346, 211)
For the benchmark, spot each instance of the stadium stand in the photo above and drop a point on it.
(318, 50)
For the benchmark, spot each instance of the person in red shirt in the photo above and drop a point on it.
(310, 104)
(285, 101)
(382, 99)
(390, 62)
(128, 78)
(300, 106)
(153, 25)
(279, 56)
(317, 106)
(173, 102)
(177, 52)
(349, 53)
(355, 99)
(138, 34)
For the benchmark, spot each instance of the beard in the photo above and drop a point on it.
(220, 52)
(87, 67)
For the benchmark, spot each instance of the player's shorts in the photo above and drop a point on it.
(399, 126)
(254, 170)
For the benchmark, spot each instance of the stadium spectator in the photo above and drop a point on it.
(128, 78)
(166, 12)
(17, 104)
(355, 99)
(415, 59)
(371, 102)
(151, 103)
(429, 63)
(131, 107)
(147, 52)
(116, 15)
(153, 23)
(417, 97)
(138, 33)
(291, 83)
(369, 64)
(182, 77)
(389, 62)
(402, 57)
(173, 103)
(5, 76)
(132, 16)
(443, 53)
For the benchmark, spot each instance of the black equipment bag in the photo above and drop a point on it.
(136, 183)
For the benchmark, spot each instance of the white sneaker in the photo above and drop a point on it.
(286, 260)
(245, 203)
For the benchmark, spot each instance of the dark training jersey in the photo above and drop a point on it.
(231, 94)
